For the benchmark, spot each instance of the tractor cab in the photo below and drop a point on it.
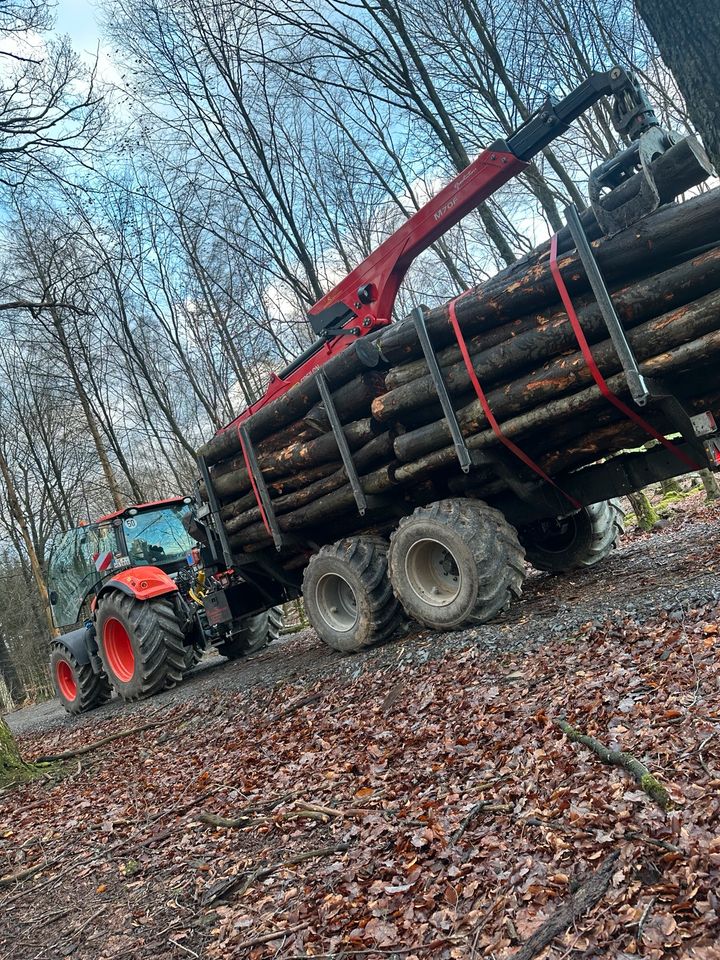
(152, 534)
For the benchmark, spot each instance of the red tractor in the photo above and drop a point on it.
(135, 577)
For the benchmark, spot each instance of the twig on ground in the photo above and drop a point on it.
(298, 705)
(268, 937)
(262, 872)
(80, 751)
(588, 894)
(654, 842)
(21, 875)
(181, 946)
(483, 806)
(643, 918)
(620, 758)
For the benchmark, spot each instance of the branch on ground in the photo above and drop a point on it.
(620, 758)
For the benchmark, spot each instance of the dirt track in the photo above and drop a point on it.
(665, 570)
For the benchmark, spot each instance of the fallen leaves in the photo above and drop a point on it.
(431, 809)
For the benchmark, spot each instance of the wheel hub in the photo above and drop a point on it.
(118, 650)
(66, 680)
(336, 602)
(433, 572)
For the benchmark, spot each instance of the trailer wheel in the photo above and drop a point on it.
(192, 655)
(580, 540)
(252, 634)
(348, 597)
(78, 686)
(455, 562)
(140, 644)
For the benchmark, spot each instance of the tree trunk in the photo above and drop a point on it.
(644, 510)
(712, 488)
(13, 768)
(688, 36)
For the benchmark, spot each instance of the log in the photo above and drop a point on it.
(322, 510)
(518, 289)
(529, 285)
(545, 336)
(290, 406)
(278, 488)
(378, 449)
(685, 358)
(567, 374)
(298, 456)
(682, 167)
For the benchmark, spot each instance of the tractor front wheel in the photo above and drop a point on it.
(140, 643)
(78, 686)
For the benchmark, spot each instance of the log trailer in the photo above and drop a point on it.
(450, 548)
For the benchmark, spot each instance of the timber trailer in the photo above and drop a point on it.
(159, 582)
(452, 560)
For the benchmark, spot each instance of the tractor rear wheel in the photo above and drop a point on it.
(348, 597)
(140, 643)
(579, 540)
(78, 686)
(455, 562)
(252, 634)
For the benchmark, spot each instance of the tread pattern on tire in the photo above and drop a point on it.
(605, 525)
(367, 558)
(159, 651)
(253, 634)
(497, 553)
(93, 688)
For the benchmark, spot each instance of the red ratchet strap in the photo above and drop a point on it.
(513, 447)
(252, 483)
(593, 367)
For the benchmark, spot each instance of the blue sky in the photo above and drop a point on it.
(79, 19)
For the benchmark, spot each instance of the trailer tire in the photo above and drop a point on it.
(348, 597)
(78, 686)
(193, 656)
(254, 633)
(140, 643)
(455, 562)
(580, 540)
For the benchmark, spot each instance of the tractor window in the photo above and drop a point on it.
(77, 563)
(158, 536)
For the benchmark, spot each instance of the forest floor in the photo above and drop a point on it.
(414, 801)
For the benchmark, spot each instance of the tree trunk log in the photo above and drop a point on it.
(546, 336)
(567, 374)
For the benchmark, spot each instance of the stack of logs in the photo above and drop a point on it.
(664, 275)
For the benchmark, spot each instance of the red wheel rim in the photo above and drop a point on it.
(66, 680)
(118, 650)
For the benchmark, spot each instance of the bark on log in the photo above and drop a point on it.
(567, 374)
(378, 449)
(278, 489)
(590, 892)
(548, 335)
(325, 509)
(340, 369)
(529, 285)
(298, 456)
(690, 356)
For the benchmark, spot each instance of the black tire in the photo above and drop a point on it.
(149, 635)
(580, 540)
(348, 597)
(193, 656)
(251, 634)
(90, 689)
(455, 562)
